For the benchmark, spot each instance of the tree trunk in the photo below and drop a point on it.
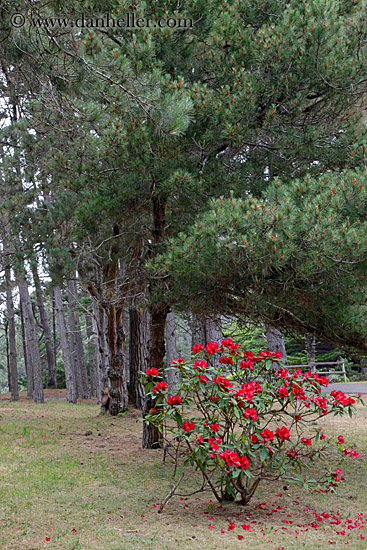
(102, 351)
(139, 350)
(152, 436)
(6, 328)
(33, 354)
(197, 328)
(275, 342)
(205, 329)
(76, 344)
(51, 381)
(13, 368)
(54, 335)
(69, 372)
(310, 345)
(92, 355)
(27, 366)
(116, 339)
(172, 373)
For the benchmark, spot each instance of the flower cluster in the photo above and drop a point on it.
(159, 386)
(152, 372)
(174, 400)
(188, 426)
(232, 458)
(341, 398)
(248, 418)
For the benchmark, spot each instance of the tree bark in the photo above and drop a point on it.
(310, 345)
(172, 373)
(275, 342)
(116, 339)
(69, 372)
(27, 366)
(13, 368)
(51, 381)
(76, 344)
(139, 350)
(54, 335)
(92, 355)
(197, 328)
(205, 329)
(33, 354)
(102, 351)
(152, 435)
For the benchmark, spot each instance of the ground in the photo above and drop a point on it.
(64, 488)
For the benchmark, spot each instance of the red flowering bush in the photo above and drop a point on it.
(242, 419)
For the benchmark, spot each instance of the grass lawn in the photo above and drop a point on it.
(100, 491)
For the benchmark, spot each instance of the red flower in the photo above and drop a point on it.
(160, 386)
(214, 427)
(188, 426)
(351, 452)
(224, 383)
(340, 439)
(179, 361)
(297, 417)
(152, 372)
(240, 537)
(267, 435)
(152, 410)
(196, 348)
(250, 413)
(226, 360)
(212, 347)
(254, 438)
(232, 458)
(174, 400)
(247, 364)
(306, 441)
(283, 392)
(283, 433)
(48, 539)
(202, 378)
(199, 364)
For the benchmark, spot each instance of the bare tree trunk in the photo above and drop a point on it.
(310, 345)
(27, 366)
(6, 328)
(172, 373)
(102, 351)
(152, 436)
(116, 339)
(51, 382)
(275, 342)
(69, 373)
(12, 355)
(76, 340)
(197, 328)
(92, 355)
(213, 329)
(139, 351)
(205, 329)
(33, 354)
(54, 335)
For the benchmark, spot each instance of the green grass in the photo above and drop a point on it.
(54, 478)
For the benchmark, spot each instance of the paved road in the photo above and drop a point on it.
(350, 388)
